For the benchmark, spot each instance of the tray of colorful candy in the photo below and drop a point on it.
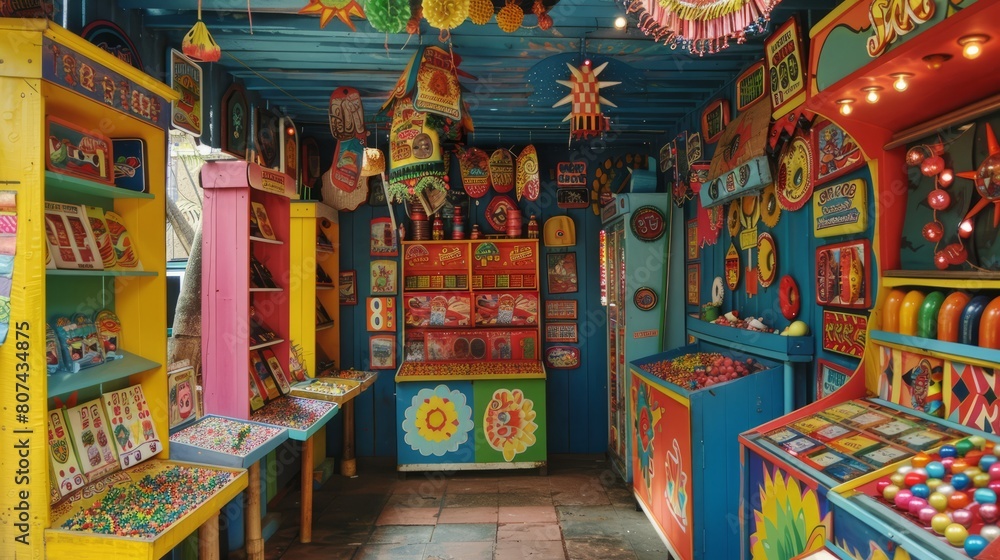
(700, 366)
(365, 378)
(302, 417)
(430, 371)
(143, 512)
(227, 442)
(951, 494)
(327, 389)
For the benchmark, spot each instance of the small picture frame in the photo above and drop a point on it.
(235, 121)
(130, 164)
(561, 268)
(561, 332)
(382, 351)
(694, 284)
(692, 240)
(348, 284)
(383, 238)
(561, 309)
(267, 138)
(830, 377)
(383, 277)
(714, 119)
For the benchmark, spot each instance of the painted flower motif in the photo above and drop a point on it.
(874, 552)
(645, 423)
(509, 423)
(438, 421)
(788, 522)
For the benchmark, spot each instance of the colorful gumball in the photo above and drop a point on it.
(963, 517)
(961, 481)
(958, 465)
(920, 460)
(958, 500)
(880, 485)
(956, 534)
(935, 469)
(989, 512)
(987, 461)
(948, 451)
(974, 544)
(985, 496)
(940, 522)
(902, 499)
(938, 501)
(890, 491)
(926, 514)
(946, 489)
(963, 447)
(980, 480)
(978, 441)
(973, 457)
(934, 483)
(899, 479)
(916, 504)
(989, 532)
(903, 469)
(920, 490)
(994, 469)
(914, 477)
(994, 485)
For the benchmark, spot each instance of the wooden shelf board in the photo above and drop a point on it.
(268, 343)
(57, 184)
(941, 279)
(325, 287)
(324, 250)
(63, 382)
(954, 351)
(256, 239)
(75, 272)
(266, 290)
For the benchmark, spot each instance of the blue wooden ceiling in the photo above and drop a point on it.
(294, 65)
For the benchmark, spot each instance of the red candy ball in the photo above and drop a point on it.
(989, 513)
(939, 199)
(933, 231)
(940, 260)
(912, 478)
(932, 166)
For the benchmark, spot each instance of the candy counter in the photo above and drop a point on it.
(688, 405)
(482, 415)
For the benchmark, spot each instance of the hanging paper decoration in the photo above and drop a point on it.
(446, 14)
(528, 183)
(199, 44)
(414, 150)
(475, 172)
(329, 9)
(438, 90)
(388, 16)
(480, 11)
(986, 178)
(542, 13)
(413, 25)
(502, 170)
(586, 119)
(346, 114)
(509, 17)
(701, 26)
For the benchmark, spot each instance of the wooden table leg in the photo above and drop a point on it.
(251, 515)
(208, 539)
(307, 490)
(348, 463)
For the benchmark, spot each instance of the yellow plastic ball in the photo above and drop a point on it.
(955, 534)
(890, 491)
(940, 522)
(938, 501)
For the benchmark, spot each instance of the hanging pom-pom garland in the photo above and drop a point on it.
(480, 11)
(509, 17)
(544, 19)
(413, 25)
(388, 16)
(199, 44)
(701, 26)
(446, 14)
(329, 9)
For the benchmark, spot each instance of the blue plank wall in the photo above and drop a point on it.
(796, 247)
(577, 405)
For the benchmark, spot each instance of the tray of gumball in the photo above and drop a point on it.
(514, 369)
(951, 494)
(691, 368)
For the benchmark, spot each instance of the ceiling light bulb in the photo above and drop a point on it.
(871, 94)
(620, 22)
(901, 82)
(937, 60)
(972, 45)
(846, 106)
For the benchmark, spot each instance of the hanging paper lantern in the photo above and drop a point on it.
(413, 26)
(446, 14)
(388, 16)
(509, 17)
(480, 11)
(329, 9)
(199, 44)
(585, 115)
(701, 26)
(545, 22)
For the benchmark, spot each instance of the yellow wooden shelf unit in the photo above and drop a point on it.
(317, 343)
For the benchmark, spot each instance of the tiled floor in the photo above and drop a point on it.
(581, 510)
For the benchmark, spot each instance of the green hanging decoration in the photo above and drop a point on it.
(388, 16)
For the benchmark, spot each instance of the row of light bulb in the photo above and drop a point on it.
(972, 47)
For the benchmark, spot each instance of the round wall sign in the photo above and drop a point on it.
(770, 209)
(718, 291)
(648, 223)
(794, 183)
(645, 298)
(497, 210)
(767, 259)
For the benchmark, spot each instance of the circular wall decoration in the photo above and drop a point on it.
(733, 218)
(794, 183)
(770, 210)
(767, 259)
(645, 298)
(718, 291)
(497, 211)
(732, 267)
(648, 223)
(788, 298)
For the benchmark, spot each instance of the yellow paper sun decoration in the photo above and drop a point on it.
(446, 14)
(480, 11)
(509, 17)
(199, 44)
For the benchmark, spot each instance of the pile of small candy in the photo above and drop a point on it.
(702, 369)
(953, 492)
(732, 319)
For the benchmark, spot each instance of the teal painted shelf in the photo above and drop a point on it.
(57, 183)
(63, 382)
(954, 350)
(72, 272)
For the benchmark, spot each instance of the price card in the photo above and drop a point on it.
(131, 425)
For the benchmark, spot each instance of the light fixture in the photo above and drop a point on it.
(972, 45)
(901, 82)
(620, 22)
(846, 106)
(936, 60)
(871, 93)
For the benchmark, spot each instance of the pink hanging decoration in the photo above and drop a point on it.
(700, 26)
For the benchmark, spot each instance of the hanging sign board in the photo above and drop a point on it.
(840, 208)
(785, 68)
(185, 78)
(571, 174)
(751, 86)
(714, 119)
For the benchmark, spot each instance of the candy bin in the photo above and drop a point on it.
(689, 405)
(938, 504)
